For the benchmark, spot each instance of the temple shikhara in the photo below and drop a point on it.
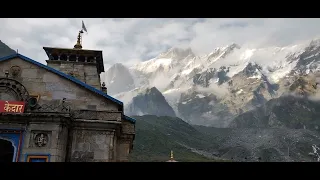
(61, 112)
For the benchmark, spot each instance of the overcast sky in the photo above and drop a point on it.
(132, 40)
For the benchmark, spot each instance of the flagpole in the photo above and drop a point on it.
(84, 27)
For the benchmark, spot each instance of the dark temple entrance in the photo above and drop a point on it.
(6, 151)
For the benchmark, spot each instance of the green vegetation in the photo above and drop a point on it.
(157, 136)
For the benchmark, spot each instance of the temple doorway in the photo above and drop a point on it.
(6, 151)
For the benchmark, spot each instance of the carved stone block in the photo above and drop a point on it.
(40, 139)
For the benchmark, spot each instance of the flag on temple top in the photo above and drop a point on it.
(84, 27)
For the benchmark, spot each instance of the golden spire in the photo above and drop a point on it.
(78, 44)
(171, 155)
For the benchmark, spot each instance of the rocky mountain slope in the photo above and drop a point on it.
(5, 50)
(263, 144)
(119, 79)
(213, 89)
(285, 112)
(156, 136)
(149, 101)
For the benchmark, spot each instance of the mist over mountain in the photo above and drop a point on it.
(213, 89)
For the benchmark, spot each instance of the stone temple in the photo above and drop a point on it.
(60, 112)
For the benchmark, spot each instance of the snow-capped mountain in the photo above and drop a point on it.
(212, 89)
(149, 101)
(118, 79)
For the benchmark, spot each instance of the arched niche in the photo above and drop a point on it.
(12, 90)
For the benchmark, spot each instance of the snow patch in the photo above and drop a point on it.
(200, 96)
(239, 91)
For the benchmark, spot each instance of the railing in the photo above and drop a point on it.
(97, 115)
(52, 107)
(75, 114)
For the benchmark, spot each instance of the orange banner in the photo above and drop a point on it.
(12, 106)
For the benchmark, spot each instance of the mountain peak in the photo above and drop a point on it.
(118, 65)
(151, 101)
(118, 79)
(252, 69)
(5, 50)
(152, 90)
(176, 52)
(234, 45)
(228, 47)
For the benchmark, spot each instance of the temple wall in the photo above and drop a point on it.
(52, 88)
(92, 146)
(97, 133)
(85, 72)
(54, 135)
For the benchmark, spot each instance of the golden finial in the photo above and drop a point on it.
(171, 155)
(78, 44)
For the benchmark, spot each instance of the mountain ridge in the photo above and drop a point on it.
(241, 79)
(277, 121)
(149, 101)
(157, 136)
(5, 50)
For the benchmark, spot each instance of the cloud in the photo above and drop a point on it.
(132, 40)
(219, 90)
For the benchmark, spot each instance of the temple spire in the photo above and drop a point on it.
(171, 155)
(79, 39)
(78, 44)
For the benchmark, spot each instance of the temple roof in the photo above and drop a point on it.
(75, 51)
(103, 94)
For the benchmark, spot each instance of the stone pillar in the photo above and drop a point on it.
(111, 148)
(124, 147)
(125, 141)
